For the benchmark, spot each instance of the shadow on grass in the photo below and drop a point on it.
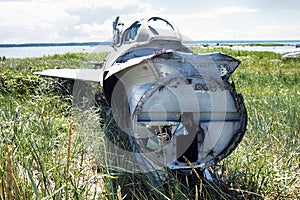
(177, 186)
(226, 184)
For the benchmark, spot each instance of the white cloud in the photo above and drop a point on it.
(55, 20)
(226, 11)
(24, 21)
(224, 23)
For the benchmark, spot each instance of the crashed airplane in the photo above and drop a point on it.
(178, 108)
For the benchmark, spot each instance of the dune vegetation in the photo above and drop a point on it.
(47, 154)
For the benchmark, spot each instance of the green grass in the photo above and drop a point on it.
(246, 44)
(34, 127)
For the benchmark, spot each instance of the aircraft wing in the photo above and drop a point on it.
(94, 75)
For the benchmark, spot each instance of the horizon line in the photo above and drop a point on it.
(45, 44)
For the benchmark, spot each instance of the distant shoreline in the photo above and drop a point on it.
(54, 44)
(30, 50)
(200, 42)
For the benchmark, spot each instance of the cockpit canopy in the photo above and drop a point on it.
(147, 30)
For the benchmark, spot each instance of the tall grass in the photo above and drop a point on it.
(34, 124)
(36, 144)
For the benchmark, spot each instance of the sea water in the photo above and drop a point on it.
(38, 50)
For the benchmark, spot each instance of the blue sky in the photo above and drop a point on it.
(23, 21)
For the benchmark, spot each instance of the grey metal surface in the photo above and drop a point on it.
(164, 87)
(170, 101)
(93, 75)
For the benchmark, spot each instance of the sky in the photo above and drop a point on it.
(43, 21)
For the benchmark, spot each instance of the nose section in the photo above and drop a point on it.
(182, 106)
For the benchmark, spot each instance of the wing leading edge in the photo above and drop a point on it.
(94, 75)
